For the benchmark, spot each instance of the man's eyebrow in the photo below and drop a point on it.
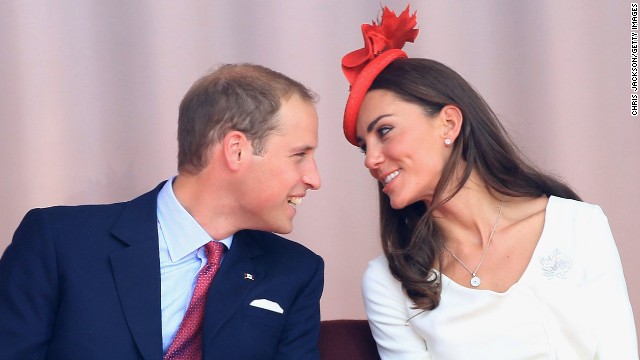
(302, 148)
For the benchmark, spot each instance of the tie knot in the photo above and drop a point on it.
(214, 251)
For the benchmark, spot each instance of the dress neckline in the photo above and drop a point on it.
(446, 281)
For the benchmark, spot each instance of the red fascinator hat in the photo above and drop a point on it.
(382, 45)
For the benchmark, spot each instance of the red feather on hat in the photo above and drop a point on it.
(392, 32)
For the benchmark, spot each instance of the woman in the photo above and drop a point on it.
(485, 257)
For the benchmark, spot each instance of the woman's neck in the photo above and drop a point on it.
(470, 215)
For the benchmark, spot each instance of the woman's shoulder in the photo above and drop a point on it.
(380, 287)
(553, 208)
(377, 274)
(559, 206)
(378, 261)
(574, 226)
(377, 267)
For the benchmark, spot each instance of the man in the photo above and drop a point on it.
(116, 281)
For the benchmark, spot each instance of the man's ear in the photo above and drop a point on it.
(451, 121)
(235, 147)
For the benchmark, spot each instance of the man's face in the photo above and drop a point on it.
(278, 179)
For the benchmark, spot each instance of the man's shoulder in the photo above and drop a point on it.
(81, 212)
(60, 212)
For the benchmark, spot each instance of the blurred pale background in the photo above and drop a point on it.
(89, 94)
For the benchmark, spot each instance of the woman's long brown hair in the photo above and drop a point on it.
(410, 238)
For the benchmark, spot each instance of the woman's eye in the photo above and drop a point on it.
(363, 149)
(383, 130)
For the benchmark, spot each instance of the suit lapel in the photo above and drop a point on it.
(230, 283)
(136, 271)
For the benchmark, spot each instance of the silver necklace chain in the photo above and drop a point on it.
(475, 280)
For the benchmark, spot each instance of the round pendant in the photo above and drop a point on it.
(475, 281)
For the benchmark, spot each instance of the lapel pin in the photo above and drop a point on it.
(248, 276)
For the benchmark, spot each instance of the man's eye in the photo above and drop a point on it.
(363, 149)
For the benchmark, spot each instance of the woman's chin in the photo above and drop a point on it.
(398, 204)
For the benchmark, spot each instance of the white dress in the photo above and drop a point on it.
(570, 303)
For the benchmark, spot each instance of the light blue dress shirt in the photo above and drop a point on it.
(182, 255)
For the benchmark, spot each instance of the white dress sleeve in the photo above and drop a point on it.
(388, 310)
(605, 284)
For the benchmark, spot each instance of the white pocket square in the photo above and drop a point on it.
(267, 305)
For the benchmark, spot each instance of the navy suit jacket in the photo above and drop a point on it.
(83, 282)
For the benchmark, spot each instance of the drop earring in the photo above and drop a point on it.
(447, 142)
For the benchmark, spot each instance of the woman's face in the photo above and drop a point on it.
(404, 148)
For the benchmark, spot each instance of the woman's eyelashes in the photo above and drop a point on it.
(382, 131)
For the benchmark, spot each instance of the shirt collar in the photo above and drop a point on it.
(181, 232)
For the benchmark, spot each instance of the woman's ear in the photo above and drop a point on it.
(235, 148)
(452, 123)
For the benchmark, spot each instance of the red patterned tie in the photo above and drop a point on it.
(187, 344)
